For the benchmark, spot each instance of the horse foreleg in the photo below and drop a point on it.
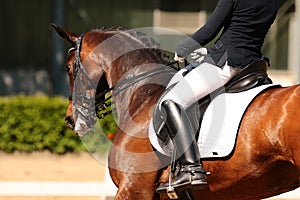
(136, 172)
(133, 186)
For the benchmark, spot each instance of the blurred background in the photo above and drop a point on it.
(34, 86)
(32, 55)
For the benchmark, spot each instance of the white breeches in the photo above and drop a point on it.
(198, 83)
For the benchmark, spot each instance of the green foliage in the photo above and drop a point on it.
(37, 123)
(108, 124)
(99, 141)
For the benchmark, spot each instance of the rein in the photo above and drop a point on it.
(126, 83)
(101, 105)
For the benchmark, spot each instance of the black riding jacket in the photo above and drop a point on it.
(245, 24)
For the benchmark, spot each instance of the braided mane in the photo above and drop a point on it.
(137, 35)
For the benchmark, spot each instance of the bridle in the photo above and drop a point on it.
(103, 103)
(82, 102)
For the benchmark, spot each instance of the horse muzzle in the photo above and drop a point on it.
(83, 124)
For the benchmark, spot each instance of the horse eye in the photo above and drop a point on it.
(68, 67)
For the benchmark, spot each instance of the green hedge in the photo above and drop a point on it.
(37, 123)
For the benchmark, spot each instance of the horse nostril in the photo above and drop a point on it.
(69, 122)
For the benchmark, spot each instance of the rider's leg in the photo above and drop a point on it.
(195, 85)
(200, 82)
(191, 172)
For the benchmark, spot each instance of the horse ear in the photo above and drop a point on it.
(66, 35)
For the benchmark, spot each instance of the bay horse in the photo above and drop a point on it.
(265, 161)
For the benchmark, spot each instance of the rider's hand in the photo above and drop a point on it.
(199, 54)
(178, 58)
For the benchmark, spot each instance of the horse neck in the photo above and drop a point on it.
(124, 55)
(134, 103)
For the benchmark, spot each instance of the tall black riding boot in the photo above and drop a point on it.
(191, 174)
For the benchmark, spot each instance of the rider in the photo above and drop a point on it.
(245, 24)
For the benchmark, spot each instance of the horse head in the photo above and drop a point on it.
(107, 58)
(84, 72)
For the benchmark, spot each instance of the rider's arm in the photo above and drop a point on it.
(209, 31)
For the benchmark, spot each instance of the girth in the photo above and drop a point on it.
(253, 75)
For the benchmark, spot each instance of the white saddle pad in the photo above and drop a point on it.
(219, 126)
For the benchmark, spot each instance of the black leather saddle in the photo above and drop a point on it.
(253, 75)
